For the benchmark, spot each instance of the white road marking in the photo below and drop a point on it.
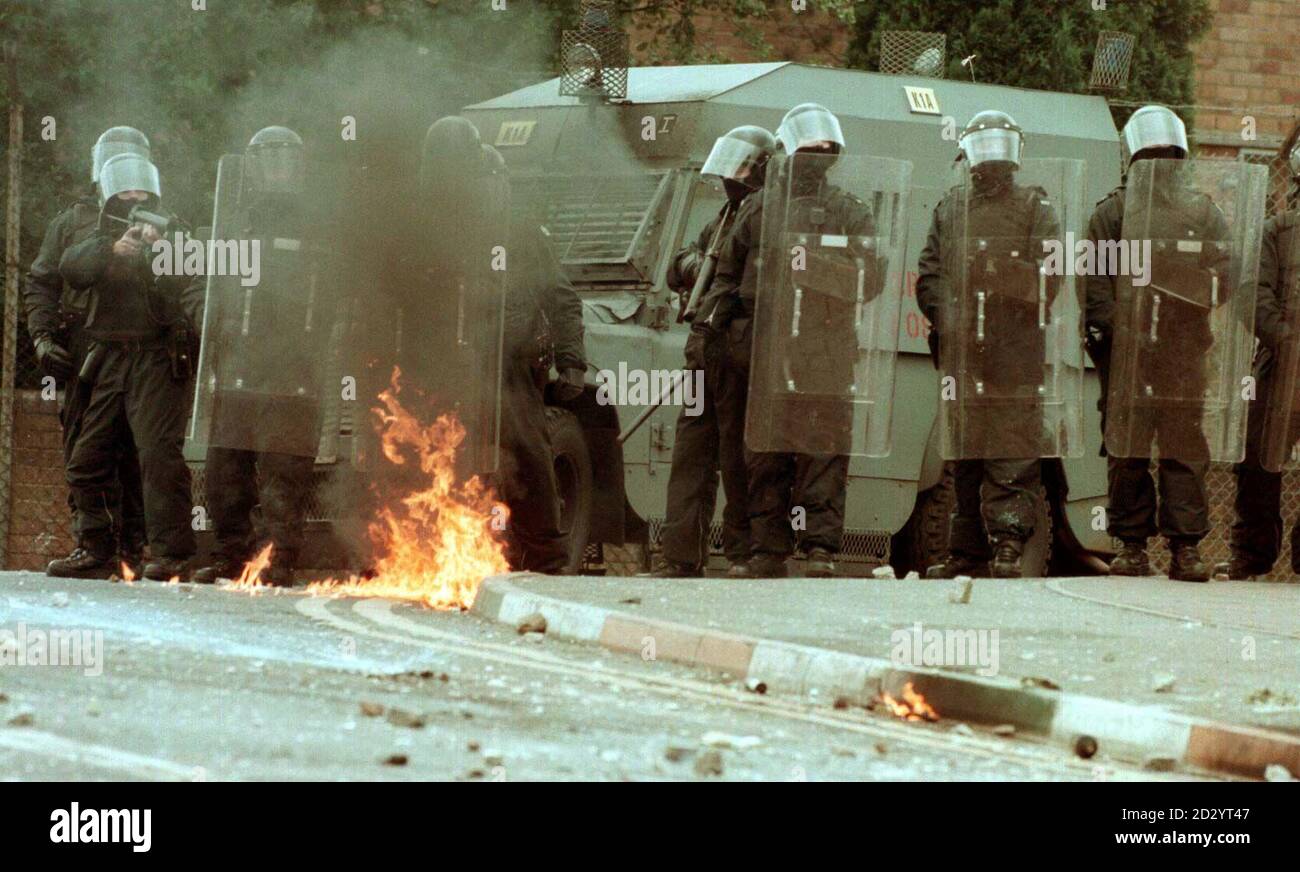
(83, 753)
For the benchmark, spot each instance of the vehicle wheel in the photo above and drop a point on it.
(923, 541)
(574, 482)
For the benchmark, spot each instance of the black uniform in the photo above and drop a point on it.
(1257, 532)
(707, 441)
(1011, 363)
(136, 382)
(58, 312)
(281, 483)
(1183, 515)
(779, 482)
(543, 316)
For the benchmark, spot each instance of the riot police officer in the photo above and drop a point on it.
(1257, 532)
(780, 481)
(714, 437)
(1180, 513)
(543, 328)
(55, 318)
(997, 475)
(262, 445)
(136, 372)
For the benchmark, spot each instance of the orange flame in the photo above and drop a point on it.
(250, 579)
(913, 706)
(127, 575)
(438, 543)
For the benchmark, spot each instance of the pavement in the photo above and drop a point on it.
(202, 683)
(1205, 674)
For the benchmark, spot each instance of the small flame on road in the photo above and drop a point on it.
(250, 579)
(127, 575)
(912, 707)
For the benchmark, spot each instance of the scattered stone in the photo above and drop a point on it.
(3, 698)
(1085, 746)
(753, 685)
(1277, 772)
(402, 718)
(23, 719)
(60, 599)
(475, 773)
(842, 702)
(963, 730)
(444, 677)
(493, 758)
(534, 623)
(961, 595)
(1159, 764)
(1004, 730)
(396, 760)
(709, 763)
(881, 748)
(676, 753)
(841, 751)
(631, 601)
(1163, 682)
(1108, 657)
(885, 571)
(714, 739)
(372, 709)
(1042, 683)
(473, 747)
(912, 576)
(1267, 697)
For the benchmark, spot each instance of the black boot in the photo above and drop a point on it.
(1187, 564)
(220, 567)
(167, 568)
(768, 566)
(1006, 559)
(1131, 559)
(820, 564)
(1239, 569)
(738, 569)
(957, 564)
(87, 560)
(672, 569)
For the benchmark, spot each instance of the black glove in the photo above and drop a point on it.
(53, 358)
(570, 384)
(933, 341)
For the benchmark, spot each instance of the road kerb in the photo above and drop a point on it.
(1120, 728)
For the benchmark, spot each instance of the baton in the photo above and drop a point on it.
(707, 268)
(645, 416)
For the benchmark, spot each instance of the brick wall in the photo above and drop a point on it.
(40, 526)
(1250, 62)
(781, 34)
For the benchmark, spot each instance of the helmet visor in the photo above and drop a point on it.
(129, 172)
(275, 170)
(807, 128)
(733, 159)
(992, 144)
(102, 151)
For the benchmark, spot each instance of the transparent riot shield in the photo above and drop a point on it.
(1279, 372)
(1185, 273)
(1011, 330)
(829, 295)
(272, 301)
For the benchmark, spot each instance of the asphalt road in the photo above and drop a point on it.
(200, 683)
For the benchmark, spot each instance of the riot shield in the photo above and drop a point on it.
(1279, 375)
(272, 302)
(1011, 330)
(1185, 273)
(829, 295)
